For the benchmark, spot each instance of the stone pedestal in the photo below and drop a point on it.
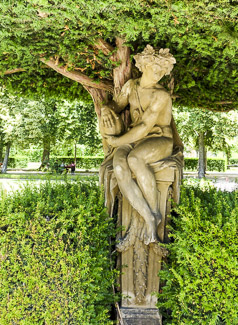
(140, 316)
(141, 263)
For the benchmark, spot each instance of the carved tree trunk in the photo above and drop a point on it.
(201, 156)
(121, 75)
(6, 157)
(99, 97)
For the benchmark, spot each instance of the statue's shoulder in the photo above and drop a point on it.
(131, 83)
(128, 86)
(161, 93)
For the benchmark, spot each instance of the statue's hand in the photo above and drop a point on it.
(112, 141)
(110, 123)
(107, 117)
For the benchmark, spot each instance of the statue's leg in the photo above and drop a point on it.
(131, 190)
(149, 151)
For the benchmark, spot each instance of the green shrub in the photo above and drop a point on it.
(233, 161)
(201, 275)
(82, 162)
(191, 164)
(34, 155)
(54, 251)
(216, 164)
(213, 164)
(18, 162)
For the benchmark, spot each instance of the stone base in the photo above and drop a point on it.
(140, 316)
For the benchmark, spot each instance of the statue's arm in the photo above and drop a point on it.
(110, 122)
(149, 119)
(122, 99)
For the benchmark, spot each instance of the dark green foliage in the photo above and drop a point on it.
(213, 164)
(216, 164)
(191, 164)
(82, 162)
(234, 161)
(201, 34)
(54, 250)
(201, 275)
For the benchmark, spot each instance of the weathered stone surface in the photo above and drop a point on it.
(141, 174)
(136, 316)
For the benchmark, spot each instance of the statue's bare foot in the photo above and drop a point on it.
(158, 218)
(150, 235)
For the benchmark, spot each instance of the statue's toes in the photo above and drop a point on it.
(150, 237)
(143, 233)
(158, 218)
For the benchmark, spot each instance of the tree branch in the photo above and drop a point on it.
(105, 47)
(224, 103)
(14, 71)
(79, 77)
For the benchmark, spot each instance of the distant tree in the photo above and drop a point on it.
(10, 122)
(78, 124)
(206, 130)
(24, 122)
(42, 124)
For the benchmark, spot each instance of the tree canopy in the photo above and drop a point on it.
(47, 45)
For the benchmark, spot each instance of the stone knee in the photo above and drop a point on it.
(135, 163)
(121, 168)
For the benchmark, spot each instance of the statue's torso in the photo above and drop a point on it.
(140, 100)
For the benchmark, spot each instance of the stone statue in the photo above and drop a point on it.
(136, 157)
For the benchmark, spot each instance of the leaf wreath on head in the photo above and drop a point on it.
(150, 56)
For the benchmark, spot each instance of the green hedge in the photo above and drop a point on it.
(233, 161)
(81, 162)
(54, 250)
(213, 164)
(18, 162)
(191, 164)
(201, 276)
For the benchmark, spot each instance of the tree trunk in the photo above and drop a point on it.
(201, 156)
(5, 161)
(46, 152)
(99, 98)
(75, 151)
(122, 73)
(1, 151)
(228, 155)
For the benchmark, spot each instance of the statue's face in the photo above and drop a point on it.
(154, 72)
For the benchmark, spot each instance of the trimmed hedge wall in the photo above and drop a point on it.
(55, 256)
(233, 161)
(213, 164)
(191, 164)
(18, 161)
(201, 275)
(82, 162)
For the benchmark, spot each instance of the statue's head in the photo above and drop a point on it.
(150, 57)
